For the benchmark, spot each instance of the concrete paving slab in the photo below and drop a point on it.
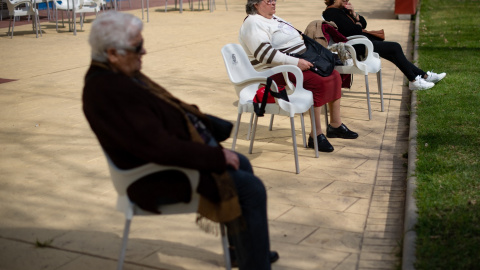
(17, 255)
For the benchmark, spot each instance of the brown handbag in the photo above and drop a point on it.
(377, 33)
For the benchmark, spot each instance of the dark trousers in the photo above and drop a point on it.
(393, 52)
(249, 235)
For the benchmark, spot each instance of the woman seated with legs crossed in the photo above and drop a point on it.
(350, 23)
(268, 41)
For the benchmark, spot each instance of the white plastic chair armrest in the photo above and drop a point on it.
(261, 76)
(356, 37)
(296, 71)
(368, 44)
(353, 53)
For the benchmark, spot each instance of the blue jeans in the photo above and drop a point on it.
(249, 235)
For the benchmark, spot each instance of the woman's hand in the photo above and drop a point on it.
(350, 8)
(231, 158)
(304, 64)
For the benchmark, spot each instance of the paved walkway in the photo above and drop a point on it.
(343, 211)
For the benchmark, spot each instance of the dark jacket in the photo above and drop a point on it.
(346, 25)
(135, 127)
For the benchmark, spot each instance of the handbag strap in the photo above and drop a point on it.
(260, 111)
(275, 18)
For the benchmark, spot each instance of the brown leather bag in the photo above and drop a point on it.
(377, 33)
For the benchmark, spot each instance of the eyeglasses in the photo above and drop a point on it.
(269, 2)
(137, 49)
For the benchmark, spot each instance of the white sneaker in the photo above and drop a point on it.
(420, 84)
(434, 77)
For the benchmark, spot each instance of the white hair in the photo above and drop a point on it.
(113, 30)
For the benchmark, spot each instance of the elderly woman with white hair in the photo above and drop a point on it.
(137, 121)
(269, 41)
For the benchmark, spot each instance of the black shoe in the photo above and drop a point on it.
(273, 258)
(341, 132)
(323, 144)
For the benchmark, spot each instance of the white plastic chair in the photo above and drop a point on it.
(123, 178)
(372, 64)
(246, 81)
(23, 8)
(77, 7)
(47, 6)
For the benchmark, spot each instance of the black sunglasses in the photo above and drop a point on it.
(137, 49)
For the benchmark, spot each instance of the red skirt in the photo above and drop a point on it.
(324, 89)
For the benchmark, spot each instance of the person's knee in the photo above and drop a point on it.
(250, 189)
(257, 190)
(396, 47)
(245, 164)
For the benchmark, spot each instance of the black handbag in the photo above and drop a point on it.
(322, 59)
(220, 128)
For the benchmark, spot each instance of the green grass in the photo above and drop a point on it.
(448, 166)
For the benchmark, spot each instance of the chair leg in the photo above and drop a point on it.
(74, 23)
(303, 130)
(82, 16)
(235, 132)
(9, 25)
(253, 133)
(294, 141)
(37, 24)
(226, 252)
(250, 127)
(148, 12)
(326, 115)
(380, 87)
(123, 249)
(368, 98)
(56, 19)
(271, 123)
(226, 6)
(48, 11)
(39, 27)
(13, 27)
(314, 129)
